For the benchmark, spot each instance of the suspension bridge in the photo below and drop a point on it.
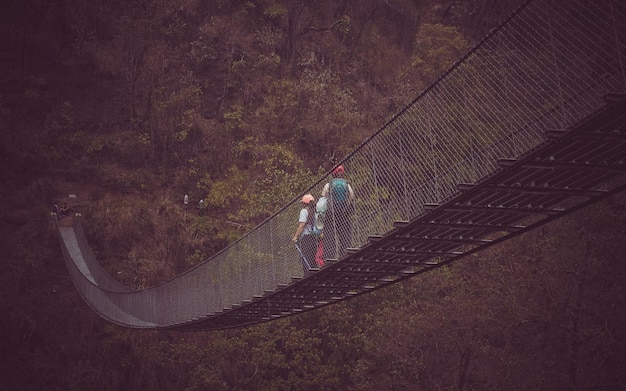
(528, 126)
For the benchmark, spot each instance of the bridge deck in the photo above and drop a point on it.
(515, 134)
(572, 169)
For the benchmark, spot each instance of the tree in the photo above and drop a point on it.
(436, 48)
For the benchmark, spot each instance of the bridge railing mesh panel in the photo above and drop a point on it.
(546, 67)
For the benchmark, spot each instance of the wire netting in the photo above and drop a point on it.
(546, 67)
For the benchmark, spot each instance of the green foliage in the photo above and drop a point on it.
(436, 48)
(226, 192)
(196, 258)
(269, 357)
(343, 25)
(275, 10)
(281, 176)
(269, 39)
(172, 114)
(245, 102)
(274, 176)
(234, 118)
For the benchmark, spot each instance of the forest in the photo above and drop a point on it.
(128, 105)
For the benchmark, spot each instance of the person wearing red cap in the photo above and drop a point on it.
(338, 228)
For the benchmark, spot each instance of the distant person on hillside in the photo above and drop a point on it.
(305, 239)
(64, 210)
(338, 224)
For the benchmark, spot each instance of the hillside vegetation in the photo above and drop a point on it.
(129, 105)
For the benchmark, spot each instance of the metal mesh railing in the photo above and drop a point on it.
(547, 67)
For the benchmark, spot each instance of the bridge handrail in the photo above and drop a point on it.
(545, 67)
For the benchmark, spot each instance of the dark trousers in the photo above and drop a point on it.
(337, 232)
(308, 245)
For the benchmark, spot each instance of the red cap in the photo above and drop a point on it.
(339, 170)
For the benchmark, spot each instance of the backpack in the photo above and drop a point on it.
(313, 221)
(339, 191)
(320, 211)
